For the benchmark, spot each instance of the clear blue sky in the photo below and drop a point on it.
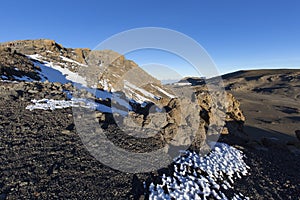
(237, 34)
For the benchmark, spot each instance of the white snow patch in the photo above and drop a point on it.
(104, 84)
(50, 104)
(131, 87)
(221, 167)
(55, 73)
(72, 61)
(164, 92)
(35, 57)
(182, 84)
(135, 96)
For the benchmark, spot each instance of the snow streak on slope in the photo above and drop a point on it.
(55, 73)
(131, 92)
(72, 61)
(164, 92)
(58, 72)
(206, 177)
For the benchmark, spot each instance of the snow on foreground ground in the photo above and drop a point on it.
(51, 104)
(197, 177)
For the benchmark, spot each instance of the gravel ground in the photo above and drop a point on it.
(42, 157)
(274, 171)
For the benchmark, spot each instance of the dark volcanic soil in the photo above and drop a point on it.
(42, 157)
(274, 171)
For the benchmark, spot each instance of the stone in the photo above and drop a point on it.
(33, 91)
(65, 132)
(225, 131)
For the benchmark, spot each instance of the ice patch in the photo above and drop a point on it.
(197, 177)
(72, 61)
(55, 73)
(51, 104)
(131, 87)
(135, 96)
(164, 92)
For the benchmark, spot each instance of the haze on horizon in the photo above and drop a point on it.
(236, 34)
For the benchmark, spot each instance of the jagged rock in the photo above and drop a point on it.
(225, 131)
(156, 121)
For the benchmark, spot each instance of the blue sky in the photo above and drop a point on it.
(237, 34)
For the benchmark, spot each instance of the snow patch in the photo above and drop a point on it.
(72, 61)
(135, 96)
(51, 104)
(197, 177)
(55, 73)
(131, 87)
(164, 92)
(104, 84)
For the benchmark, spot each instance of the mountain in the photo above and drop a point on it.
(280, 81)
(51, 99)
(270, 101)
(116, 82)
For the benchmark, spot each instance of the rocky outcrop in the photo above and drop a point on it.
(14, 65)
(26, 91)
(47, 48)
